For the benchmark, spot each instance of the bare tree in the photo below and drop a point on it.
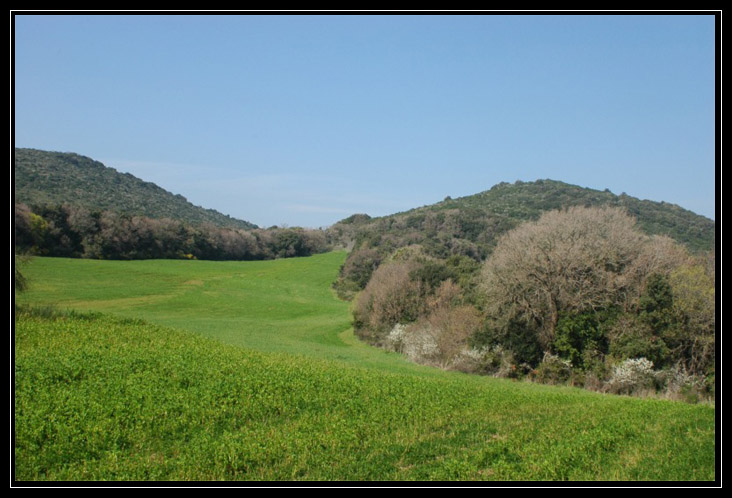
(449, 329)
(578, 259)
(390, 297)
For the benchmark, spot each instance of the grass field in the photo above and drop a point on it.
(248, 371)
(285, 305)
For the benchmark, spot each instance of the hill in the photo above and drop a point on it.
(523, 201)
(470, 226)
(52, 178)
(480, 218)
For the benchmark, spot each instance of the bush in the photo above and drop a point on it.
(578, 333)
(496, 361)
(631, 337)
(513, 334)
(389, 298)
(469, 360)
(359, 266)
(419, 344)
(569, 261)
(683, 385)
(631, 376)
(20, 281)
(432, 273)
(397, 340)
(553, 370)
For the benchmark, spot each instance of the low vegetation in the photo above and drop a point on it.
(283, 305)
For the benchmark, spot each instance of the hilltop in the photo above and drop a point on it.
(477, 220)
(523, 201)
(470, 226)
(53, 178)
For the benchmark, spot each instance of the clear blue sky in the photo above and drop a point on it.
(303, 120)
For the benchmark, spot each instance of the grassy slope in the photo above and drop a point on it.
(274, 306)
(100, 398)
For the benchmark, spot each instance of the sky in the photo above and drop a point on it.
(304, 119)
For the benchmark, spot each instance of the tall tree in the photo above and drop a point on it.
(575, 260)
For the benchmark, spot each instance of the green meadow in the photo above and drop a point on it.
(206, 371)
(285, 305)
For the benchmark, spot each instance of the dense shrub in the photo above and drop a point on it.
(693, 339)
(356, 271)
(571, 261)
(514, 335)
(20, 282)
(578, 333)
(631, 337)
(553, 370)
(495, 361)
(411, 305)
(442, 336)
(680, 384)
(433, 273)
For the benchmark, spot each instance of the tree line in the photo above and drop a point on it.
(579, 296)
(71, 231)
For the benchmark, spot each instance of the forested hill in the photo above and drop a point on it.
(53, 178)
(474, 222)
(528, 200)
(471, 226)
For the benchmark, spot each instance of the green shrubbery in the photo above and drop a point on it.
(553, 370)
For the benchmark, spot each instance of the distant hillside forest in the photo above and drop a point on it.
(69, 205)
(45, 178)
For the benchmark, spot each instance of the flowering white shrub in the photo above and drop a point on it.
(495, 361)
(552, 359)
(631, 375)
(472, 354)
(413, 341)
(396, 338)
(470, 360)
(419, 344)
(680, 384)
